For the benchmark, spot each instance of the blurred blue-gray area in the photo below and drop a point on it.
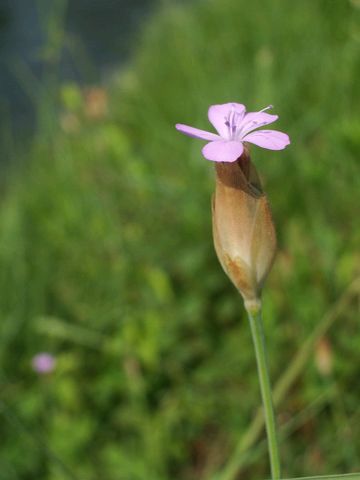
(100, 34)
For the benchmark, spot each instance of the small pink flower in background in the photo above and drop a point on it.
(234, 127)
(43, 363)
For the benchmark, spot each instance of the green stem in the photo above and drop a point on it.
(346, 476)
(239, 457)
(265, 387)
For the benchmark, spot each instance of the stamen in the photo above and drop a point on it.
(266, 108)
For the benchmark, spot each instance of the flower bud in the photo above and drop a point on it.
(243, 231)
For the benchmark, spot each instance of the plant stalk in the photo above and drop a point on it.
(256, 325)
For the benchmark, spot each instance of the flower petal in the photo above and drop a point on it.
(271, 139)
(196, 132)
(218, 115)
(223, 151)
(254, 120)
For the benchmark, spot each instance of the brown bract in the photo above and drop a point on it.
(243, 230)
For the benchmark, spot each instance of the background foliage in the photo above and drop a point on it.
(106, 256)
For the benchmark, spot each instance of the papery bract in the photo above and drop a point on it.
(243, 231)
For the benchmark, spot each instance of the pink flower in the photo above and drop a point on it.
(43, 363)
(234, 127)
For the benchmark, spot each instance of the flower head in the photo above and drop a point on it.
(43, 363)
(234, 127)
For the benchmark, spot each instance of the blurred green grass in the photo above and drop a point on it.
(106, 256)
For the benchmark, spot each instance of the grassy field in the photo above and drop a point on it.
(106, 259)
